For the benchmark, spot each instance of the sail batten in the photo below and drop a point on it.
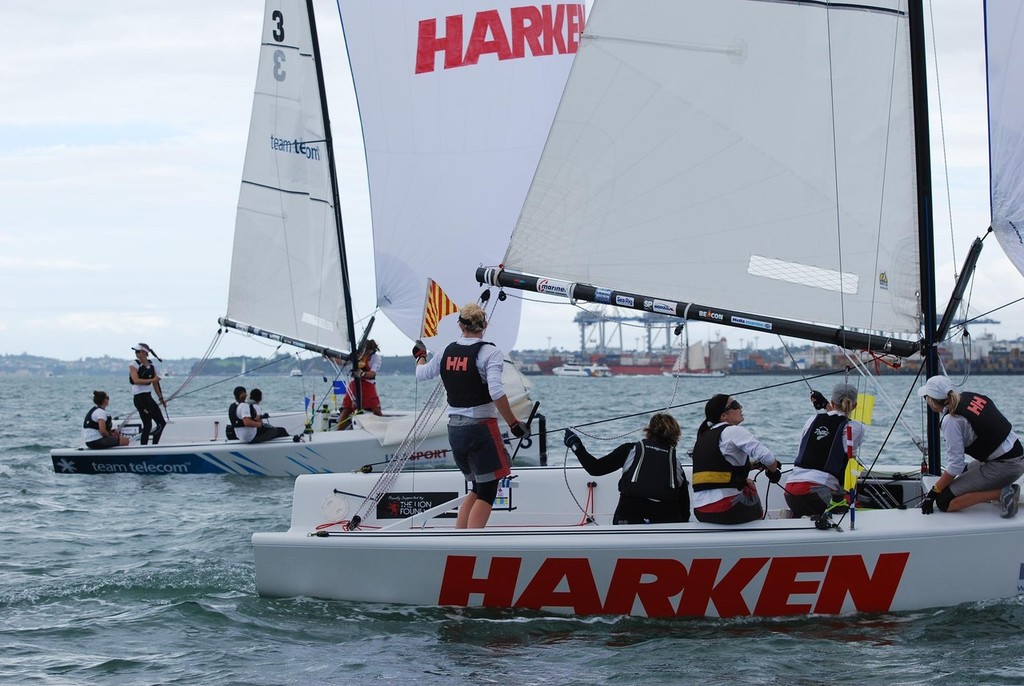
(756, 156)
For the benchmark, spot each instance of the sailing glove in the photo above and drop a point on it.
(818, 400)
(520, 430)
(572, 441)
(928, 502)
(419, 350)
(774, 475)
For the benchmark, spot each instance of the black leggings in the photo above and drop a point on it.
(269, 433)
(149, 412)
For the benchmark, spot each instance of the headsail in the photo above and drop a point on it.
(754, 156)
(286, 266)
(1004, 21)
(456, 98)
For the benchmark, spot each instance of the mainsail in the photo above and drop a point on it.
(1004, 21)
(703, 158)
(287, 272)
(456, 98)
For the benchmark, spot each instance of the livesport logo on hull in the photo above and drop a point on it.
(537, 30)
(797, 585)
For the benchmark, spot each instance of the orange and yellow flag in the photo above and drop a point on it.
(438, 306)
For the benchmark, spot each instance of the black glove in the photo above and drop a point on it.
(419, 350)
(818, 400)
(265, 415)
(572, 441)
(520, 430)
(774, 476)
(928, 502)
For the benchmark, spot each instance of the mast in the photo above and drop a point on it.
(926, 247)
(329, 142)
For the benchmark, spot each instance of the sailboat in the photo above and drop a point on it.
(795, 132)
(694, 361)
(289, 277)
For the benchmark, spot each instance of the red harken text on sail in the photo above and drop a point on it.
(535, 29)
(665, 587)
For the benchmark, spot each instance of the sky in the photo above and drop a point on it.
(123, 135)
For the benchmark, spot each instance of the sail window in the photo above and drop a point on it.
(803, 274)
(318, 322)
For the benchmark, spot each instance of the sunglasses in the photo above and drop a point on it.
(734, 406)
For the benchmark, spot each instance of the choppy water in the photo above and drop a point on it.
(149, 580)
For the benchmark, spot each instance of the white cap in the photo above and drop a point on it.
(141, 348)
(937, 387)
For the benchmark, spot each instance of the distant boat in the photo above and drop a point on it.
(296, 372)
(693, 362)
(528, 368)
(582, 370)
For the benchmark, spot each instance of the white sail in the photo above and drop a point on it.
(695, 358)
(1004, 20)
(719, 358)
(456, 98)
(286, 274)
(757, 156)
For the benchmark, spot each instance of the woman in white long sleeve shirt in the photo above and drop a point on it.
(723, 456)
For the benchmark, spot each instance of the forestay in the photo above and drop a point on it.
(286, 266)
(456, 99)
(757, 156)
(1004, 20)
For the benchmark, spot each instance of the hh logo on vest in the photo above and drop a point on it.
(543, 30)
(976, 405)
(456, 364)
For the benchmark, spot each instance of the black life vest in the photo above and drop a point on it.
(654, 473)
(711, 469)
(823, 447)
(988, 423)
(233, 414)
(460, 375)
(147, 371)
(91, 423)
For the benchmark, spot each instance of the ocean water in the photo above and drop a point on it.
(149, 580)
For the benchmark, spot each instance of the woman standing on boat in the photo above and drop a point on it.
(144, 379)
(820, 465)
(722, 459)
(652, 488)
(470, 369)
(96, 429)
(364, 374)
(973, 426)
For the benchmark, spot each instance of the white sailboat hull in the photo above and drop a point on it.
(582, 370)
(696, 375)
(535, 554)
(320, 452)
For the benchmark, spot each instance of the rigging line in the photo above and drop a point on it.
(198, 367)
(228, 379)
(412, 440)
(985, 314)
(942, 138)
(892, 428)
(885, 158)
(835, 169)
(795, 365)
(872, 380)
(702, 400)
